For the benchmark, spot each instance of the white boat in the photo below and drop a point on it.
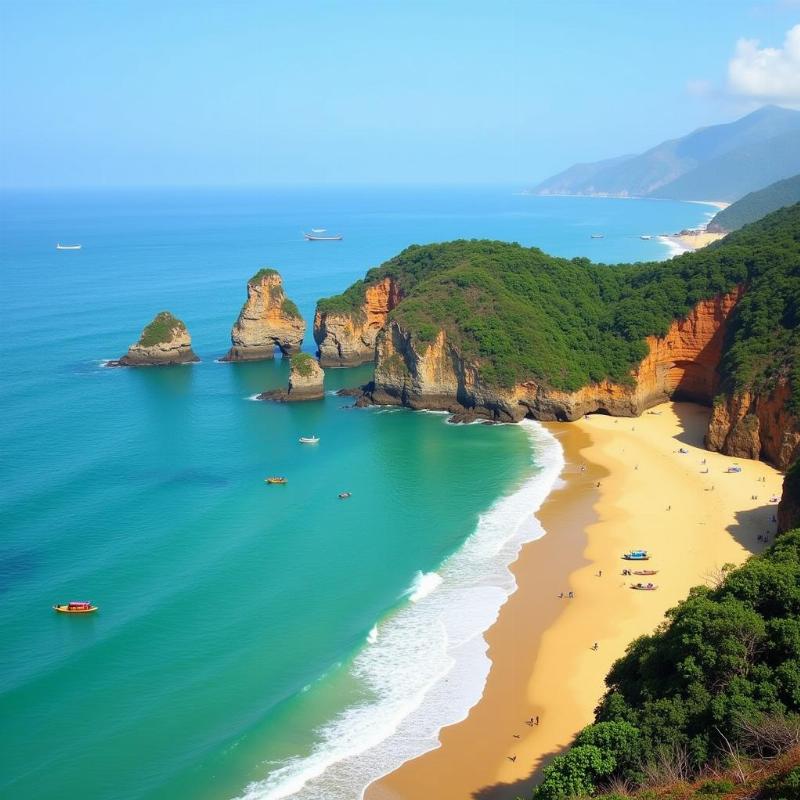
(318, 230)
(646, 237)
(312, 237)
(60, 246)
(598, 236)
(309, 439)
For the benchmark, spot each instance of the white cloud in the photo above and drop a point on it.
(769, 73)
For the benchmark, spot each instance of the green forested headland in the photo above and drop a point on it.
(756, 205)
(521, 314)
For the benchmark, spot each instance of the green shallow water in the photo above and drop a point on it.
(232, 639)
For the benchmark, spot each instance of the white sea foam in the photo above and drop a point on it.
(439, 635)
(253, 397)
(674, 247)
(424, 583)
(372, 636)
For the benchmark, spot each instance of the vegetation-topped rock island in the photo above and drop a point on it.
(164, 341)
(496, 330)
(306, 381)
(268, 319)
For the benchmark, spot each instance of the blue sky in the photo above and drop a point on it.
(213, 93)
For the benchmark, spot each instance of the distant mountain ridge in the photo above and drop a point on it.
(720, 162)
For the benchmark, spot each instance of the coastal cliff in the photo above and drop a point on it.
(345, 335)
(683, 363)
(756, 425)
(163, 341)
(267, 320)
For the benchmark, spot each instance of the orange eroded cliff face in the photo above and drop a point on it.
(346, 339)
(684, 363)
(756, 426)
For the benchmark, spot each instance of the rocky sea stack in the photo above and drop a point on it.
(306, 381)
(163, 342)
(268, 319)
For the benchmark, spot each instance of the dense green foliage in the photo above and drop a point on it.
(289, 308)
(303, 364)
(160, 329)
(756, 205)
(262, 273)
(723, 655)
(348, 302)
(520, 314)
(782, 787)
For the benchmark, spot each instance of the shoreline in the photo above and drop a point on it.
(537, 633)
(443, 622)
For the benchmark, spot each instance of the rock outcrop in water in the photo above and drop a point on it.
(163, 342)
(267, 320)
(345, 335)
(306, 381)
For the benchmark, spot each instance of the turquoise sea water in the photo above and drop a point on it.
(252, 640)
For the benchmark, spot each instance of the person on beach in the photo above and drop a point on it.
(595, 646)
(570, 595)
(537, 720)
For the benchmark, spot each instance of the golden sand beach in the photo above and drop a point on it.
(683, 507)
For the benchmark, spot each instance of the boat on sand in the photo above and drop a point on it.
(645, 572)
(637, 555)
(644, 587)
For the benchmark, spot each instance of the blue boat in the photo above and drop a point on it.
(637, 555)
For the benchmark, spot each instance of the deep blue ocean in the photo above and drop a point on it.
(252, 641)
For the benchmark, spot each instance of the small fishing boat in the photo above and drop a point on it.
(275, 479)
(646, 237)
(309, 440)
(644, 587)
(313, 237)
(60, 246)
(75, 607)
(637, 555)
(645, 572)
(598, 236)
(344, 495)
